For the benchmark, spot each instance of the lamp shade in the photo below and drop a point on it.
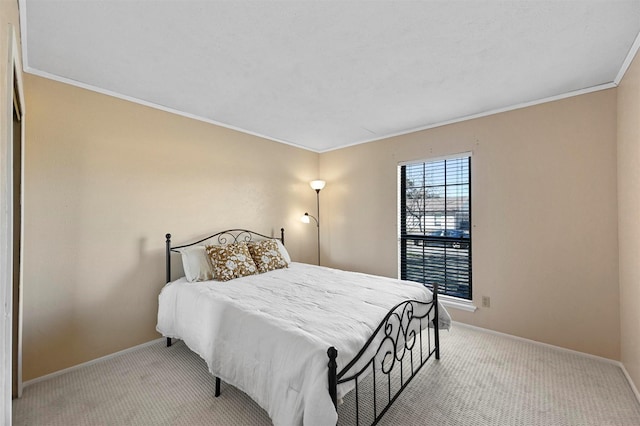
(317, 184)
(305, 218)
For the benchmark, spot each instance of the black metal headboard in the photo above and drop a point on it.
(224, 237)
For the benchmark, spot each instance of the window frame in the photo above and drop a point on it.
(448, 300)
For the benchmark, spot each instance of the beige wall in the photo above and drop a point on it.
(629, 217)
(544, 217)
(105, 180)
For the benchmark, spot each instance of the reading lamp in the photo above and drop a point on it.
(316, 185)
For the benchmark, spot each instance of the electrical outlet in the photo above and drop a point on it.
(486, 302)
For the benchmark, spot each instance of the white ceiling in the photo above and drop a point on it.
(327, 74)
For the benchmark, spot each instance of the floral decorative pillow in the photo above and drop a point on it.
(267, 256)
(231, 261)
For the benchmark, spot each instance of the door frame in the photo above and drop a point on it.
(13, 91)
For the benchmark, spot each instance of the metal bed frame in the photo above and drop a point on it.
(394, 342)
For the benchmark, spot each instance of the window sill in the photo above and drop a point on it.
(457, 303)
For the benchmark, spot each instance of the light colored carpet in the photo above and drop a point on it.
(481, 379)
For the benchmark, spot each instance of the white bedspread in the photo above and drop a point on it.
(268, 334)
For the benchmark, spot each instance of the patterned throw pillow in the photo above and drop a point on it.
(267, 256)
(231, 261)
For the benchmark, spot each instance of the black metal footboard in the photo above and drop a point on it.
(392, 356)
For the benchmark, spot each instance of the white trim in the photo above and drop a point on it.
(630, 380)
(627, 61)
(548, 345)
(22, 5)
(457, 303)
(481, 114)
(12, 80)
(22, 11)
(434, 159)
(156, 106)
(54, 77)
(6, 261)
(456, 323)
(559, 348)
(88, 363)
(17, 80)
(92, 88)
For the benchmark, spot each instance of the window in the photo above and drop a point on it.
(435, 224)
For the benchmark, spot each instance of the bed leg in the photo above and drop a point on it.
(168, 341)
(217, 387)
(436, 330)
(333, 378)
(437, 338)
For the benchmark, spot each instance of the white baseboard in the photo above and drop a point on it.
(523, 339)
(93, 361)
(630, 380)
(559, 348)
(461, 324)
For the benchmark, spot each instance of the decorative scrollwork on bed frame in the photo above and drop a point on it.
(225, 237)
(398, 337)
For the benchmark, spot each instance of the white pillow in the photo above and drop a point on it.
(284, 252)
(196, 264)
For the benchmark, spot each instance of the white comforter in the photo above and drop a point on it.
(268, 334)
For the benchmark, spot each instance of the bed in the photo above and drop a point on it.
(298, 339)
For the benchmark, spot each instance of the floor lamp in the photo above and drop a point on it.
(316, 185)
